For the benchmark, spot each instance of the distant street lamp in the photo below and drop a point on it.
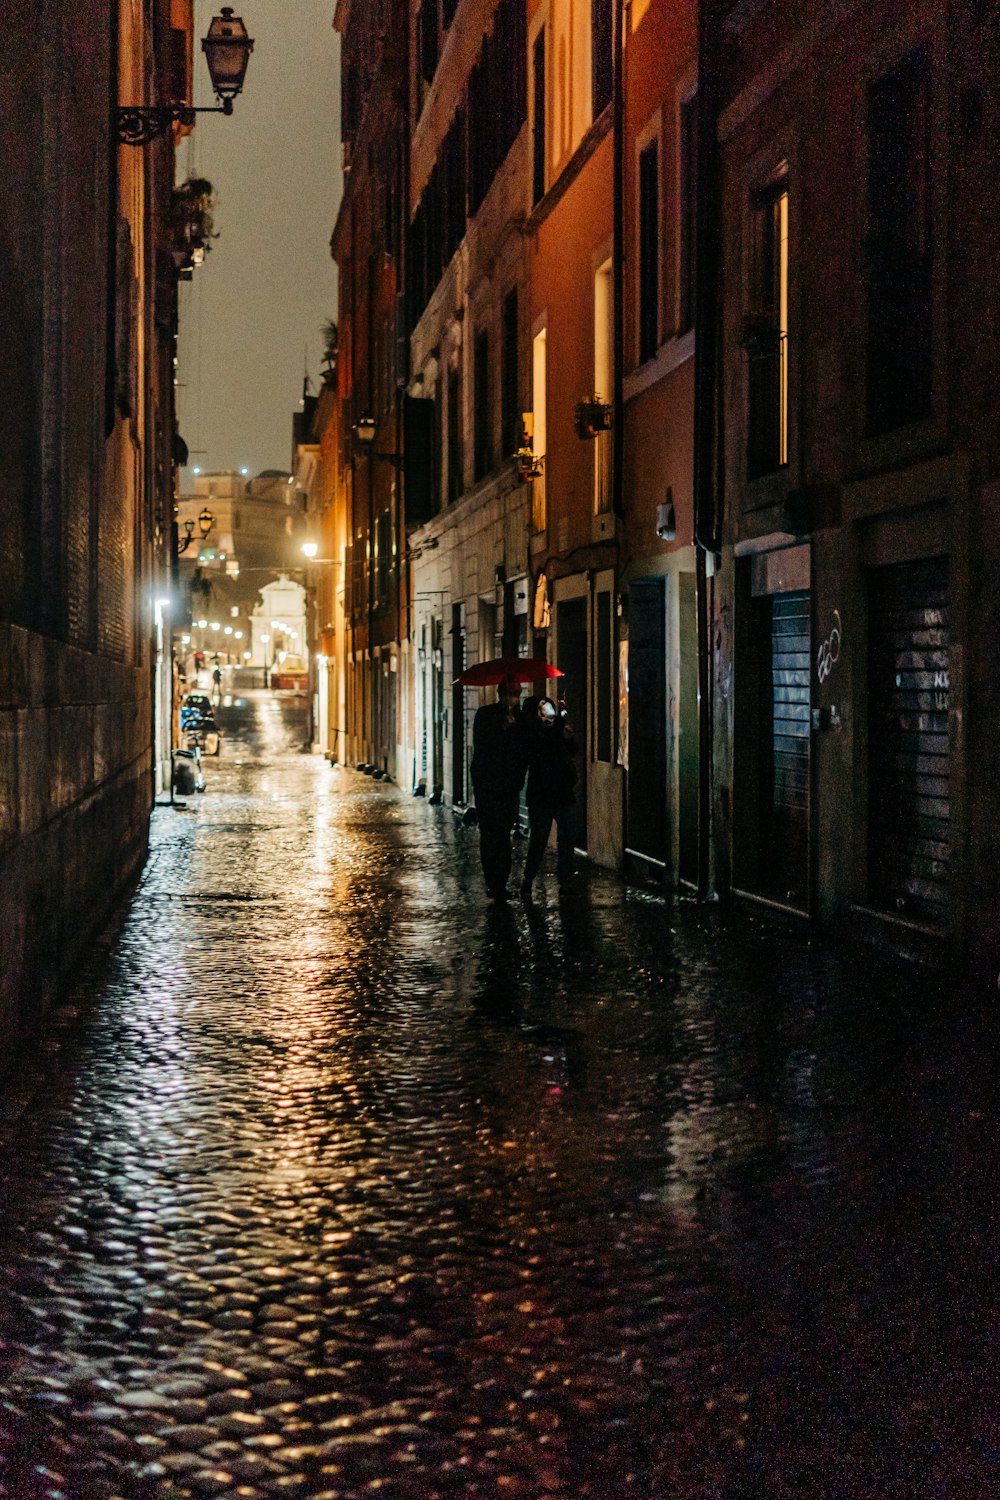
(227, 49)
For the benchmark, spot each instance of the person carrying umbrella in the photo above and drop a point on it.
(552, 775)
(499, 764)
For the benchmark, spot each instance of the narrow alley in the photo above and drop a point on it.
(343, 1183)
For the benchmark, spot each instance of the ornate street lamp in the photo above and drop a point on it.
(205, 523)
(227, 49)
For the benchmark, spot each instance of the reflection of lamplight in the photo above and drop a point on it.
(214, 625)
(238, 634)
(310, 549)
(265, 639)
(202, 624)
(227, 49)
(228, 630)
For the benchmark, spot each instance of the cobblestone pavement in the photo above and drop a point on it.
(345, 1184)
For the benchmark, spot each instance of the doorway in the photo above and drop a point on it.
(909, 684)
(571, 648)
(457, 709)
(773, 719)
(688, 749)
(648, 824)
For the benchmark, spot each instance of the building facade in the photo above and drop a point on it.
(367, 246)
(468, 317)
(87, 439)
(696, 391)
(857, 466)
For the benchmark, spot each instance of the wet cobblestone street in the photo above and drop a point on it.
(344, 1183)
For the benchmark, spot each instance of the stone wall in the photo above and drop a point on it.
(75, 790)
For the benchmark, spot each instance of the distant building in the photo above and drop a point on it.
(255, 535)
(367, 246)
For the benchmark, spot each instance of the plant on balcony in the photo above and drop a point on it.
(331, 341)
(529, 464)
(591, 417)
(191, 223)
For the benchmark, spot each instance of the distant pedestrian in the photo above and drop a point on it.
(498, 767)
(552, 775)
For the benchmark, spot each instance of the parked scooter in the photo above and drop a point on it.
(201, 729)
(188, 776)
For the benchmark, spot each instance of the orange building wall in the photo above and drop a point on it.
(569, 246)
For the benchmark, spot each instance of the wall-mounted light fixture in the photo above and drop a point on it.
(227, 49)
(666, 518)
(364, 431)
(205, 523)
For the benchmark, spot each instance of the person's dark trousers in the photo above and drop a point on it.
(496, 820)
(540, 820)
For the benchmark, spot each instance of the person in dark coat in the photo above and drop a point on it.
(552, 775)
(498, 766)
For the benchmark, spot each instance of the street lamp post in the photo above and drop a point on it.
(227, 49)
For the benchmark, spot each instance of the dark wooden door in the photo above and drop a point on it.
(648, 824)
(571, 621)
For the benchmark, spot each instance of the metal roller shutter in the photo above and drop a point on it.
(909, 809)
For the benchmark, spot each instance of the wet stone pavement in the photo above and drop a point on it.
(342, 1183)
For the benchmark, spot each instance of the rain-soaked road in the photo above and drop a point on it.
(344, 1184)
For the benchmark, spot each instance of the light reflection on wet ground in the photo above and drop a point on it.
(347, 1184)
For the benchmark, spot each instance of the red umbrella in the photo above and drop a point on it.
(521, 668)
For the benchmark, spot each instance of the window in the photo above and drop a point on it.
(383, 546)
(601, 54)
(538, 124)
(510, 408)
(687, 227)
(427, 39)
(765, 339)
(899, 248)
(482, 436)
(603, 364)
(538, 440)
(500, 73)
(649, 252)
(456, 479)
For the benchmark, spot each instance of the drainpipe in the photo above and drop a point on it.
(618, 319)
(618, 260)
(707, 427)
(402, 363)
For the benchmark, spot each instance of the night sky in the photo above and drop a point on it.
(251, 318)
